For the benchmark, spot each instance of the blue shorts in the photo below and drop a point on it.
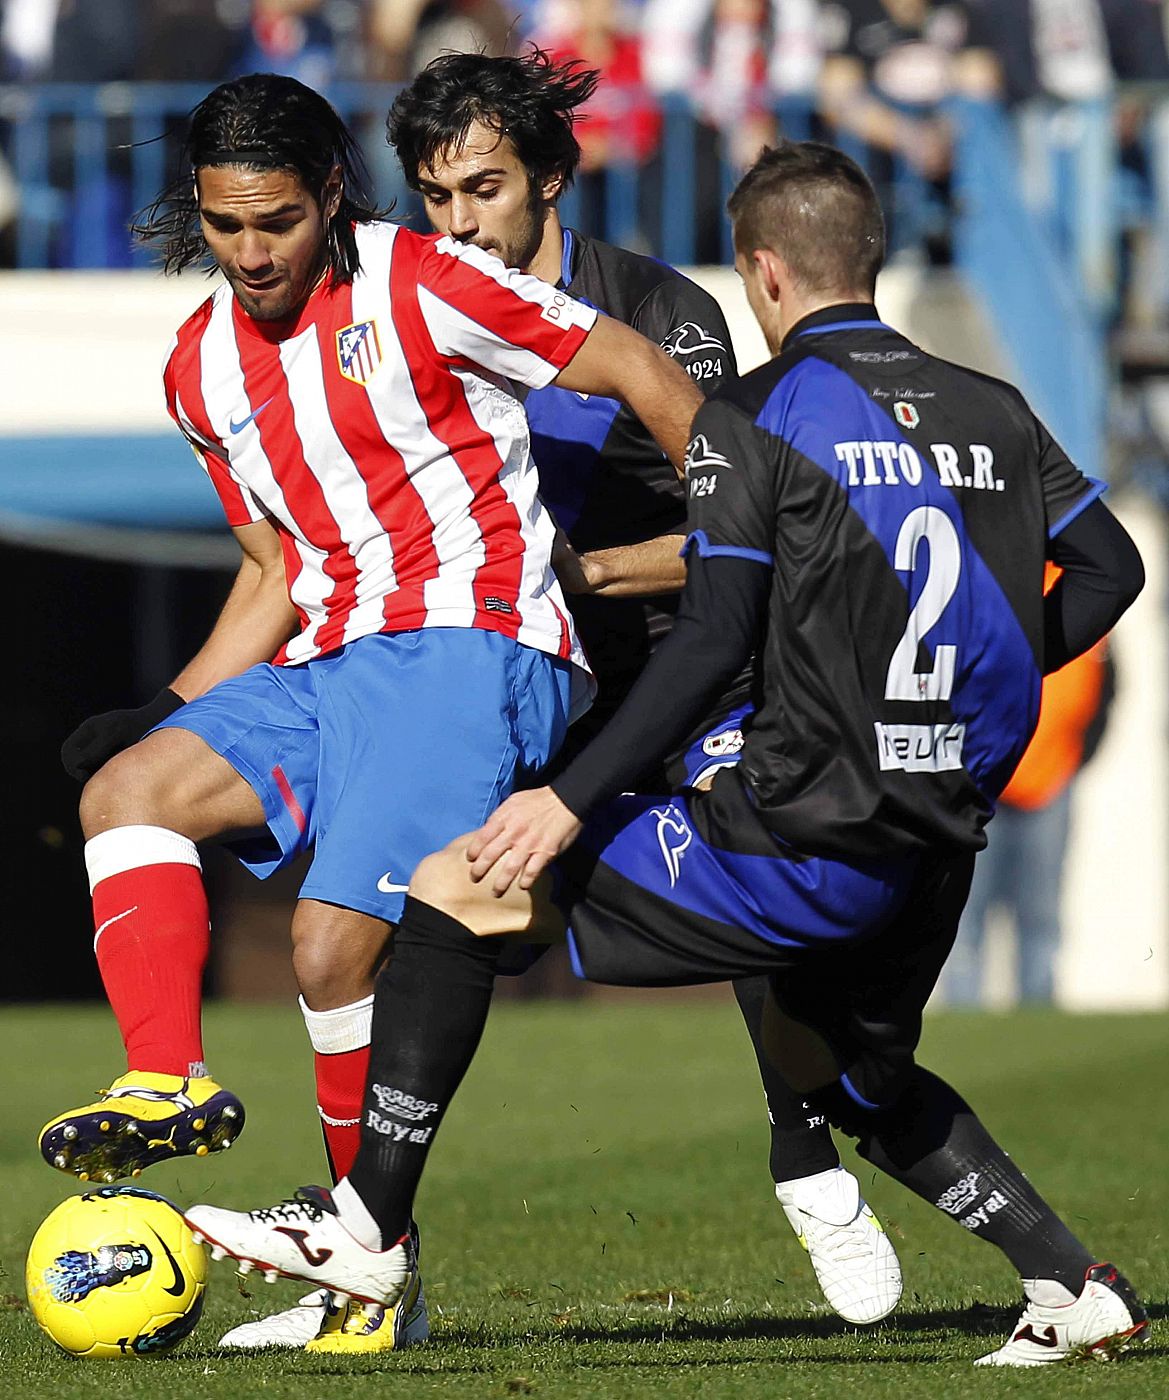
(649, 902)
(851, 948)
(382, 752)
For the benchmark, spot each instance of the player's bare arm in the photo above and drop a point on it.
(257, 618)
(623, 571)
(618, 363)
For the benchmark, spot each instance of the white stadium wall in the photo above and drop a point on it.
(80, 353)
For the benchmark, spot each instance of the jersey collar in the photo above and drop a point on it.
(568, 239)
(844, 316)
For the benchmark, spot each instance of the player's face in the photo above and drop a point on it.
(481, 193)
(267, 233)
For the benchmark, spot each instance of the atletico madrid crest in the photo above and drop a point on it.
(358, 351)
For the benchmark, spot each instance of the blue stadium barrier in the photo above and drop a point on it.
(88, 157)
(1026, 264)
(1037, 245)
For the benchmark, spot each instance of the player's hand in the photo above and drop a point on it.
(569, 566)
(97, 739)
(520, 839)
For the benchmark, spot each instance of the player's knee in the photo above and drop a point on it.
(123, 791)
(331, 972)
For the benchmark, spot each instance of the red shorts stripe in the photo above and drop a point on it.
(295, 810)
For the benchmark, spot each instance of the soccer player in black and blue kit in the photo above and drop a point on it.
(489, 145)
(872, 524)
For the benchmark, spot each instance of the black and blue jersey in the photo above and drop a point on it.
(906, 505)
(603, 477)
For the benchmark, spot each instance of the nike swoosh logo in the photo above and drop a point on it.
(235, 427)
(179, 1287)
(386, 885)
(125, 914)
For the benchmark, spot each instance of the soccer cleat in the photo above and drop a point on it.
(856, 1265)
(294, 1327)
(1105, 1320)
(364, 1327)
(142, 1119)
(302, 1238)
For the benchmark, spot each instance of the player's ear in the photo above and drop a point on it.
(552, 187)
(772, 270)
(331, 194)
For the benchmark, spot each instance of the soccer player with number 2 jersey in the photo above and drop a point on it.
(396, 652)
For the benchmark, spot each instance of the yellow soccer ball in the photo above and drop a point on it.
(116, 1272)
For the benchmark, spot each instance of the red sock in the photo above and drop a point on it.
(340, 1090)
(340, 1040)
(152, 941)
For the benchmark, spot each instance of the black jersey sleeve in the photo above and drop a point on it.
(690, 327)
(1066, 490)
(1102, 575)
(729, 486)
(716, 630)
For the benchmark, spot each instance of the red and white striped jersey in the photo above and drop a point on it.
(380, 435)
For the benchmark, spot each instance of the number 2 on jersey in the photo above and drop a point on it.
(903, 681)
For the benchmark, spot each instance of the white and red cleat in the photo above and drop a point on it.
(302, 1238)
(1105, 1320)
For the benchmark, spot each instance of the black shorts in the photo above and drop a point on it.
(852, 949)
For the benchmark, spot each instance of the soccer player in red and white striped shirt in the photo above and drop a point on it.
(395, 652)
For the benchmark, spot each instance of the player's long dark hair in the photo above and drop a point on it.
(265, 122)
(531, 99)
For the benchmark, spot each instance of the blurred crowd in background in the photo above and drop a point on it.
(874, 73)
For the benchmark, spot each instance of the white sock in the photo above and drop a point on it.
(1047, 1293)
(352, 1213)
(125, 848)
(341, 1029)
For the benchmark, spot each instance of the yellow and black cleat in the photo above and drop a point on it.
(142, 1119)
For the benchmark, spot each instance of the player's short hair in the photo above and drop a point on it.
(531, 99)
(817, 209)
(264, 122)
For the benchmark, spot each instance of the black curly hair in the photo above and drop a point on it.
(263, 121)
(530, 99)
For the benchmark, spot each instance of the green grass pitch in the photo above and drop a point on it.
(598, 1221)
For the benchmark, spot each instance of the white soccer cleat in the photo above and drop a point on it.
(295, 1327)
(303, 1239)
(856, 1265)
(1105, 1320)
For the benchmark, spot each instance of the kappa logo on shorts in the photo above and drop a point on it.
(674, 838)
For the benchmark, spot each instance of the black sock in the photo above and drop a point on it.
(801, 1141)
(932, 1142)
(430, 1005)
